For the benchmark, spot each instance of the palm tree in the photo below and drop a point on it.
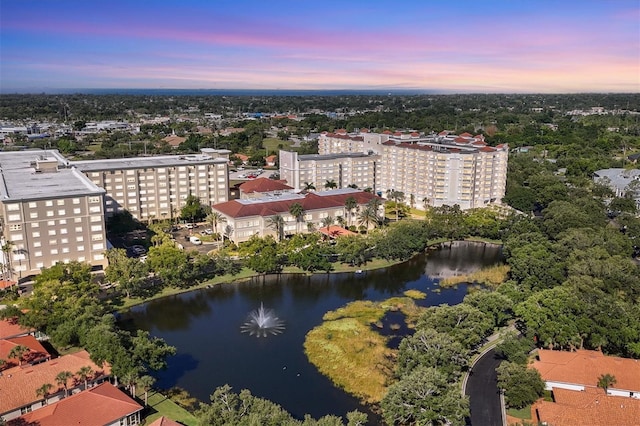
(214, 218)
(6, 249)
(606, 380)
(297, 211)
(341, 221)
(84, 373)
(311, 227)
(412, 201)
(277, 223)
(328, 221)
(397, 197)
(43, 391)
(129, 381)
(308, 186)
(330, 184)
(146, 382)
(367, 216)
(350, 203)
(62, 378)
(18, 352)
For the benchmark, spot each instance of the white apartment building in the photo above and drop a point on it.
(156, 188)
(53, 210)
(438, 169)
(345, 169)
(49, 213)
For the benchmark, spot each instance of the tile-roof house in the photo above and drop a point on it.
(101, 405)
(581, 369)
(18, 385)
(271, 160)
(11, 328)
(163, 421)
(36, 352)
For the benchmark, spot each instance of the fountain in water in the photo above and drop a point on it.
(262, 322)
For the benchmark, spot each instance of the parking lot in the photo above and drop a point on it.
(182, 237)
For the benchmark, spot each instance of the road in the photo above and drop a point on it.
(482, 388)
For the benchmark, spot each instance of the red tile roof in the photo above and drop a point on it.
(335, 231)
(584, 367)
(466, 135)
(36, 351)
(163, 421)
(264, 185)
(174, 140)
(593, 408)
(311, 201)
(19, 384)
(10, 328)
(101, 405)
(6, 284)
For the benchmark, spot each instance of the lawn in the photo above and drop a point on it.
(160, 405)
(271, 144)
(522, 413)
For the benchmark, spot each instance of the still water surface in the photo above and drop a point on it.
(204, 326)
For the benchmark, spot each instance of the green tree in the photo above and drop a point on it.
(514, 348)
(277, 223)
(261, 254)
(350, 205)
(127, 272)
(18, 352)
(84, 373)
(146, 382)
(297, 211)
(605, 381)
(426, 397)
(330, 184)
(522, 386)
(62, 379)
(367, 217)
(214, 218)
(43, 391)
(468, 325)
(428, 348)
(308, 186)
(192, 211)
(497, 306)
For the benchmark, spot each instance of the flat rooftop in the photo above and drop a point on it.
(147, 162)
(19, 179)
(308, 157)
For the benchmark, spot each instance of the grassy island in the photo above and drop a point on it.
(348, 349)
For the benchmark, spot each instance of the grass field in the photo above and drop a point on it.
(491, 276)
(160, 405)
(271, 144)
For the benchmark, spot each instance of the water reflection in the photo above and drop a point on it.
(204, 325)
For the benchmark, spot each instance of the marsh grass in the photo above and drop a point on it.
(348, 350)
(491, 276)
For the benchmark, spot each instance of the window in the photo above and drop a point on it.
(80, 248)
(49, 213)
(77, 220)
(16, 237)
(14, 217)
(96, 218)
(62, 222)
(33, 215)
(13, 207)
(64, 241)
(37, 244)
(60, 202)
(54, 251)
(52, 232)
(80, 238)
(76, 201)
(32, 205)
(65, 249)
(53, 242)
(16, 227)
(96, 228)
(97, 237)
(98, 246)
(48, 203)
(35, 234)
(94, 200)
(76, 210)
(78, 228)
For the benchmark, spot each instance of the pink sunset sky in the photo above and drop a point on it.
(452, 46)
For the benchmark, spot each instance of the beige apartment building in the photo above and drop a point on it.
(156, 188)
(343, 168)
(248, 217)
(434, 170)
(49, 213)
(53, 210)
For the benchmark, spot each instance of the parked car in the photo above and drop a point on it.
(208, 231)
(195, 241)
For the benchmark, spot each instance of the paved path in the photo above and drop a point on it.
(482, 388)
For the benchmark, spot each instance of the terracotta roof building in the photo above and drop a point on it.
(36, 353)
(443, 168)
(262, 187)
(581, 369)
(577, 400)
(593, 408)
(101, 405)
(163, 421)
(10, 328)
(249, 217)
(18, 385)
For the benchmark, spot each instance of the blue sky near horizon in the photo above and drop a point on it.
(448, 46)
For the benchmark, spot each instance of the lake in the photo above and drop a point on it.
(204, 325)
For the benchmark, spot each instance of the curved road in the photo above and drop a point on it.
(482, 388)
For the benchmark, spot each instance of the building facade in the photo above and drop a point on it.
(156, 188)
(53, 210)
(49, 213)
(432, 170)
(248, 217)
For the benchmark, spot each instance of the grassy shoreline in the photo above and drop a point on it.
(246, 274)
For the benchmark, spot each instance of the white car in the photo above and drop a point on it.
(195, 241)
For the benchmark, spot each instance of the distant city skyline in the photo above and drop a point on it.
(436, 46)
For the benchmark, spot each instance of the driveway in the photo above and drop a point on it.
(482, 388)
